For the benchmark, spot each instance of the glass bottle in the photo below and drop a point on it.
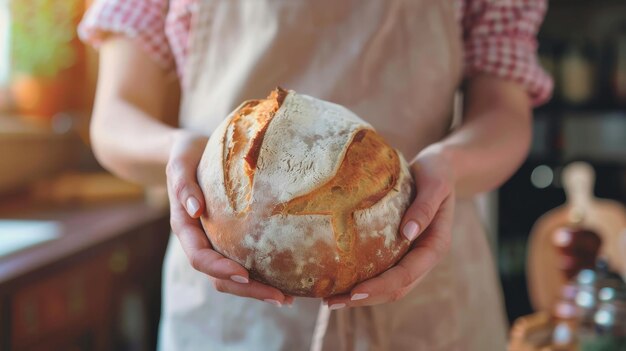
(577, 74)
(609, 321)
(565, 318)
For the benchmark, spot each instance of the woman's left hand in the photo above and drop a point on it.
(428, 221)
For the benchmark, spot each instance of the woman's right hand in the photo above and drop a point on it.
(186, 207)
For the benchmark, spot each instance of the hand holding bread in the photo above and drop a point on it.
(186, 206)
(427, 223)
(310, 199)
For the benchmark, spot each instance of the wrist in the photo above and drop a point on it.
(186, 137)
(439, 157)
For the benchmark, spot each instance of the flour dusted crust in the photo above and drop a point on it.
(304, 194)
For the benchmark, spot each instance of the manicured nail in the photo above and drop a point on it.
(360, 296)
(239, 279)
(410, 230)
(273, 302)
(337, 306)
(192, 206)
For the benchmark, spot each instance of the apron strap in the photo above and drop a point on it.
(321, 325)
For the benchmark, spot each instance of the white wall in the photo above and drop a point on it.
(5, 52)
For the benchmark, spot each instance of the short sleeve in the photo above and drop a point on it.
(500, 39)
(141, 20)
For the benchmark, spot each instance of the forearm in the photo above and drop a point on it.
(131, 143)
(493, 140)
(134, 98)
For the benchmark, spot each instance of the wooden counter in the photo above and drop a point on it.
(95, 287)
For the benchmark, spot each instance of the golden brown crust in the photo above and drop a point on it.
(243, 150)
(369, 170)
(334, 235)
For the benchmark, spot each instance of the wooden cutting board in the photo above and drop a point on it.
(607, 218)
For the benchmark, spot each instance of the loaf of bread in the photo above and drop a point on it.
(304, 194)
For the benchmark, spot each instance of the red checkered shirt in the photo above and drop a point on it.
(499, 35)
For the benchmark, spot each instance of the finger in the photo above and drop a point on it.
(360, 299)
(342, 301)
(199, 250)
(337, 302)
(183, 185)
(254, 289)
(394, 283)
(423, 209)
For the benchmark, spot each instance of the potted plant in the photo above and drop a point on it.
(43, 49)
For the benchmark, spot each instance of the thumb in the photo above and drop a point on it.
(184, 188)
(181, 169)
(419, 215)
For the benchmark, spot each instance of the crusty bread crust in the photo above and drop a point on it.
(304, 194)
(243, 144)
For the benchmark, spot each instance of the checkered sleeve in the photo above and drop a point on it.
(142, 20)
(500, 39)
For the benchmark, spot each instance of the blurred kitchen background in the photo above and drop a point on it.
(81, 251)
(583, 46)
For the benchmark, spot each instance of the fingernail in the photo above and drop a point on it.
(239, 279)
(273, 302)
(337, 306)
(410, 230)
(192, 205)
(360, 296)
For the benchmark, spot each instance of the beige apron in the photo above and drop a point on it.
(397, 64)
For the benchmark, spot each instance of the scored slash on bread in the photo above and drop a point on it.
(240, 145)
(354, 187)
(304, 194)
